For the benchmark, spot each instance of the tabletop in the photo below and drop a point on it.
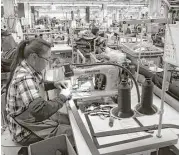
(171, 116)
(169, 136)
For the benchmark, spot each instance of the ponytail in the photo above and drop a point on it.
(18, 57)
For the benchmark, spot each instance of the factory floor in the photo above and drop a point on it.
(7, 146)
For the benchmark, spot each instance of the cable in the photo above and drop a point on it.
(114, 64)
(12, 17)
(63, 13)
(15, 146)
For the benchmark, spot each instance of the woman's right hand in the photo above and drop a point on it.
(67, 93)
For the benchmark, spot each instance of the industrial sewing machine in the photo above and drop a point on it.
(92, 81)
(104, 77)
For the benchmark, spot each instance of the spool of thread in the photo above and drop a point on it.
(111, 122)
(132, 69)
(124, 100)
(146, 107)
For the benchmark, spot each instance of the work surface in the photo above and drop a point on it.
(169, 137)
(171, 116)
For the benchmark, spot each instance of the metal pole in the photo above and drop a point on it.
(72, 35)
(78, 59)
(95, 45)
(162, 100)
(138, 63)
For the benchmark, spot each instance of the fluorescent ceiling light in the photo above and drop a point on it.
(43, 4)
(120, 5)
(53, 7)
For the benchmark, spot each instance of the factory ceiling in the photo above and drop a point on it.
(82, 1)
(93, 1)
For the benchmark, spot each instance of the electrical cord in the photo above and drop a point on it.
(16, 146)
(8, 22)
(113, 64)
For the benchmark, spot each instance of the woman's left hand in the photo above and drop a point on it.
(61, 84)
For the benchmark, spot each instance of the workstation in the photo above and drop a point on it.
(83, 77)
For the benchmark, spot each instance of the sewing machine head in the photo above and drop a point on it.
(103, 77)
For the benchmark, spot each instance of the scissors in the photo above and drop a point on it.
(101, 114)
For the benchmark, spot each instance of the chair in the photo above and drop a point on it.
(4, 77)
(7, 145)
(3, 111)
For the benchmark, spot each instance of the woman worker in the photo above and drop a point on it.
(30, 117)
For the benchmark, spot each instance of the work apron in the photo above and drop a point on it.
(42, 129)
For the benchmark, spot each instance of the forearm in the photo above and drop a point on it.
(49, 86)
(42, 110)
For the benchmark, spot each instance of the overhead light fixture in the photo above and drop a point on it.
(121, 5)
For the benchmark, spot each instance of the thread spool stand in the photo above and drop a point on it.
(146, 106)
(123, 110)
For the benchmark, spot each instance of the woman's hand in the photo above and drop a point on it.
(67, 93)
(64, 87)
(61, 84)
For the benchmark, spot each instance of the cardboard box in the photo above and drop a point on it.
(51, 146)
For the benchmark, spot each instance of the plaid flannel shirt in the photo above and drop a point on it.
(24, 89)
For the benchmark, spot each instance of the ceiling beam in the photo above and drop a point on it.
(99, 2)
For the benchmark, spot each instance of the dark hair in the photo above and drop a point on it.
(25, 48)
